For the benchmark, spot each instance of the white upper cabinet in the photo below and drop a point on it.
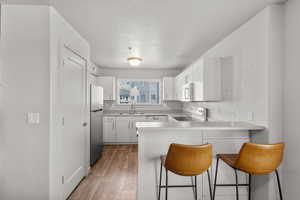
(188, 75)
(210, 78)
(203, 79)
(109, 87)
(197, 69)
(179, 83)
(169, 93)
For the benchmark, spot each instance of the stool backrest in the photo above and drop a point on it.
(189, 160)
(260, 158)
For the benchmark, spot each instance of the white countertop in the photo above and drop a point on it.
(144, 113)
(221, 125)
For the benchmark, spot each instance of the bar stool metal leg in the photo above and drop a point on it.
(196, 187)
(236, 185)
(215, 181)
(279, 185)
(249, 191)
(160, 177)
(209, 183)
(166, 184)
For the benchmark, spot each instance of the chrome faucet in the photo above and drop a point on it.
(132, 108)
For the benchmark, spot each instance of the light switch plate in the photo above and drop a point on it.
(33, 118)
(250, 116)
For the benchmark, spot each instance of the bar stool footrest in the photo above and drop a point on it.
(225, 185)
(176, 186)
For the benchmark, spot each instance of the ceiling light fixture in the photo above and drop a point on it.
(134, 61)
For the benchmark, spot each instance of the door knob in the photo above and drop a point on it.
(84, 124)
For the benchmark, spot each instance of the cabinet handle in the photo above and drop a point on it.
(128, 125)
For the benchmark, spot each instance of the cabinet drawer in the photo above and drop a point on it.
(108, 119)
(157, 118)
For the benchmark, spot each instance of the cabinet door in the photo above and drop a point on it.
(212, 79)
(109, 87)
(179, 86)
(197, 70)
(123, 129)
(188, 75)
(133, 135)
(168, 88)
(109, 130)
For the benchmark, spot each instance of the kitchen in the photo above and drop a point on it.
(106, 94)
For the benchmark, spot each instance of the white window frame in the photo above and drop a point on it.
(138, 104)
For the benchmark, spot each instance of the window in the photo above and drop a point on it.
(138, 92)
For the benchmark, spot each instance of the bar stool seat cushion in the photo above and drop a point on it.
(229, 159)
(255, 158)
(188, 160)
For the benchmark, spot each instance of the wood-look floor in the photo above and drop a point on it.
(113, 177)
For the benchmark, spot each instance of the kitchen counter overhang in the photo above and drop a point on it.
(209, 125)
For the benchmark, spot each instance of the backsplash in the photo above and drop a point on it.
(216, 111)
(170, 105)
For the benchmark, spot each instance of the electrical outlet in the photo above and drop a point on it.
(201, 111)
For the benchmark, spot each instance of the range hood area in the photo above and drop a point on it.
(201, 81)
(195, 92)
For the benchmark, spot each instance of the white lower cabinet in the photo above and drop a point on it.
(123, 130)
(109, 129)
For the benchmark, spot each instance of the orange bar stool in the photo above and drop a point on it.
(253, 159)
(186, 160)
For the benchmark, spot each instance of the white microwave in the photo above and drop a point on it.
(192, 92)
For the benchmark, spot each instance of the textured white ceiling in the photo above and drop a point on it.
(164, 33)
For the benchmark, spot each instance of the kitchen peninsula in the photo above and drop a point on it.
(155, 137)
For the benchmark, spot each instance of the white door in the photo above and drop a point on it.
(73, 73)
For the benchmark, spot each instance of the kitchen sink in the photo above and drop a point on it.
(184, 119)
(135, 113)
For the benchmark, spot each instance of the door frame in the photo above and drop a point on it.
(86, 109)
(55, 182)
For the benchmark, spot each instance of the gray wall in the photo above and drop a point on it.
(291, 100)
(31, 39)
(252, 62)
(25, 84)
